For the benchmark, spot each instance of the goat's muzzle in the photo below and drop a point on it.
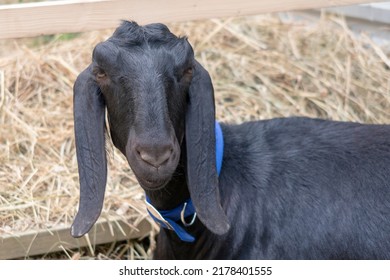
(153, 161)
(156, 155)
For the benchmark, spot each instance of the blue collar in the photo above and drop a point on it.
(171, 219)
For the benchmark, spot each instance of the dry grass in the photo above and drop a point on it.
(261, 68)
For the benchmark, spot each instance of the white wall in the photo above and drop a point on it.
(381, 5)
(375, 12)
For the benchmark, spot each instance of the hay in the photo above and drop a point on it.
(261, 68)
(38, 174)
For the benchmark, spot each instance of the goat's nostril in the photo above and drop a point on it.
(155, 157)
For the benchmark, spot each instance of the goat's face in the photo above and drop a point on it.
(155, 92)
(145, 87)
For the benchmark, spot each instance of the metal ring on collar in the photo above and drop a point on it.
(183, 219)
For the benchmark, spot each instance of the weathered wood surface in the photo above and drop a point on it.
(32, 19)
(59, 239)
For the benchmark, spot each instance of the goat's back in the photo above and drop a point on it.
(300, 188)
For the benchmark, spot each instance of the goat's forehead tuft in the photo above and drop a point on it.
(129, 33)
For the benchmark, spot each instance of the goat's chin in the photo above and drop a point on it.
(149, 177)
(152, 185)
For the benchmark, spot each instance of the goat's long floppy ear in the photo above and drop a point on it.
(89, 124)
(202, 175)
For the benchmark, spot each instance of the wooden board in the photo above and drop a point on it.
(58, 239)
(32, 19)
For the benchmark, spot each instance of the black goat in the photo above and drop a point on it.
(293, 188)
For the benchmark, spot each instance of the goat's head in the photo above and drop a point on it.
(156, 95)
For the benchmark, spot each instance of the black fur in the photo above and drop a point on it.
(299, 188)
(292, 188)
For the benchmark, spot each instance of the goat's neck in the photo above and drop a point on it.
(174, 193)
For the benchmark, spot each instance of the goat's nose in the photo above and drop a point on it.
(155, 156)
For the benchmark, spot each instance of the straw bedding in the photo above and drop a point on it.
(261, 68)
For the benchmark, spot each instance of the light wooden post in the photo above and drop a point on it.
(32, 19)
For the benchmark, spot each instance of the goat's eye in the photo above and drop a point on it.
(186, 76)
(101, 74)
(188, 71)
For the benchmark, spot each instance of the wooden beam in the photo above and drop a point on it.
(58, 239)
(32, 19)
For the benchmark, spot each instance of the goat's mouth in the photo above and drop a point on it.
(151, 178)
(153, 165)
(152, 185)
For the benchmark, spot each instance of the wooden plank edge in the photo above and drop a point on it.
(57, 239)
(79, 16)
